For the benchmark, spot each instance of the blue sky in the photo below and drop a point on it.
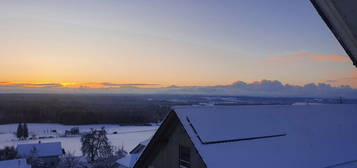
(169, 42)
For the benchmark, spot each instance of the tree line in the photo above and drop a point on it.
(81, 109)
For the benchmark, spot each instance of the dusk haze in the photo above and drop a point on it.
(178, 83)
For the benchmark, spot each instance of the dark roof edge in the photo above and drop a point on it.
(334, 31)
(189, 137)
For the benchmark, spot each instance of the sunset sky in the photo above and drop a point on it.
(158, 43)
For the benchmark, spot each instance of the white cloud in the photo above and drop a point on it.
(260, 88)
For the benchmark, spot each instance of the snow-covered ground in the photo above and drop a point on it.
(127, 136)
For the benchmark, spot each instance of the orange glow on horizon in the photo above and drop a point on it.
(92, 85)
(351, 81)
(95, 85)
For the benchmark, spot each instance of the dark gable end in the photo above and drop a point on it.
(158, 140)
(161, 139)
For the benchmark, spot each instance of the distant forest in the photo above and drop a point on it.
(119, 108)
(81, 109)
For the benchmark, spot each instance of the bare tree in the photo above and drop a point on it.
(95, 145)
(88, 145)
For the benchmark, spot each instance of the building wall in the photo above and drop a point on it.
(168, 155)
(51, 161)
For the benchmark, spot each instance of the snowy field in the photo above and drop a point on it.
(126, 136)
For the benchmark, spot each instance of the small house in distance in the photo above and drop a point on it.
(49, 152)
(16, 163)
(255, 136)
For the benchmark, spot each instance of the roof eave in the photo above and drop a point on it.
(334, 31)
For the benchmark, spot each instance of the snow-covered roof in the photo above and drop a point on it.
(43, 149)
(130, 159)
(16, 163)
(273, 136)
(145, 142)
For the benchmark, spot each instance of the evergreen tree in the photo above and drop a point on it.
(19, 131)
(25, 130)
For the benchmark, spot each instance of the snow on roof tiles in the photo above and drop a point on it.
(130, 159)
(16, 163)
(145, 142)
(316, 136)
(43, 149)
